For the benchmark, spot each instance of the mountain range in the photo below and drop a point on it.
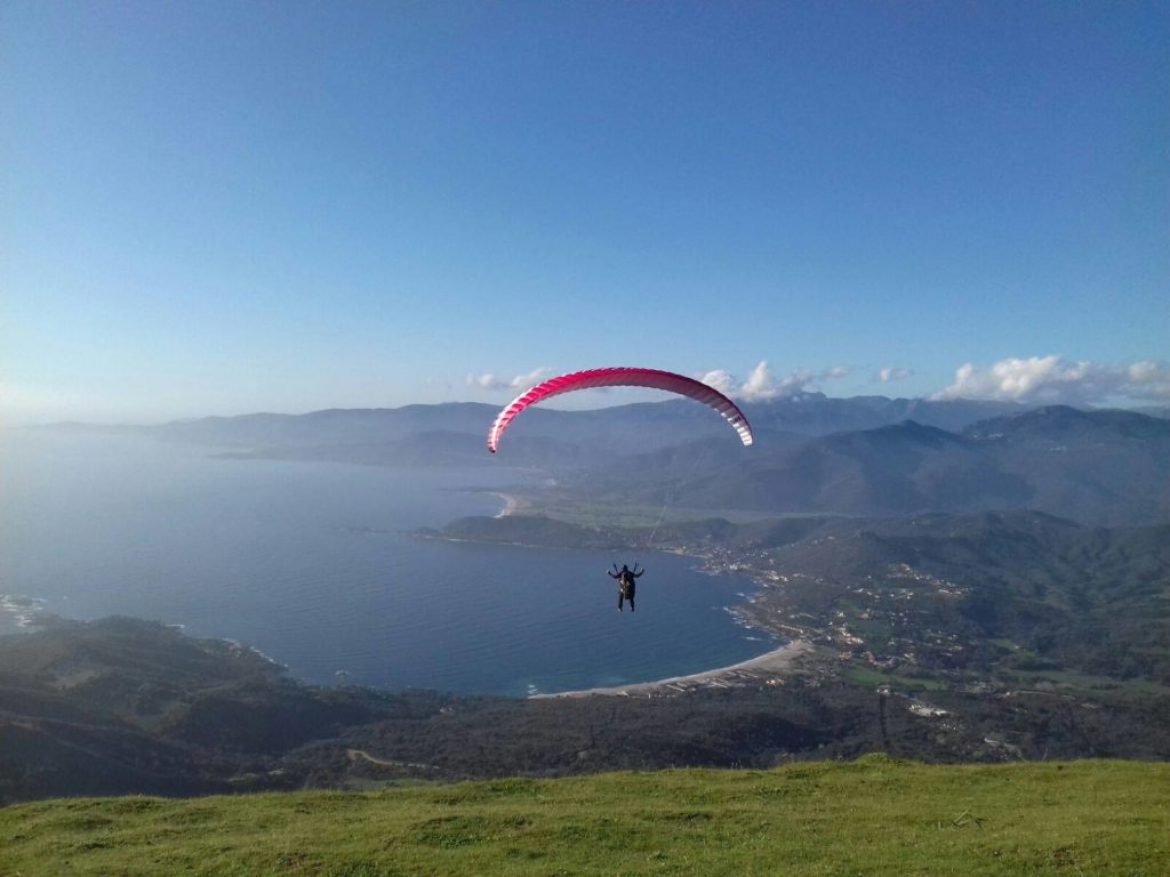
(868, 455)
(621, 429)
(1107, 468)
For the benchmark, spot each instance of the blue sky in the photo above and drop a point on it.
(227, 207)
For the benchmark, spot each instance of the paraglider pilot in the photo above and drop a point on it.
(625, 579)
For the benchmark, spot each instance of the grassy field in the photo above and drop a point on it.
(874, 816)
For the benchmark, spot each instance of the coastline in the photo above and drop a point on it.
(511, 504)
(773, 664)
(768, 669)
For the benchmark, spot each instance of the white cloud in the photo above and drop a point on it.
(721, 380)
(486, 381)
(890, 373)
(763, 385)
(1053, 379)
(489, 381)
(534, 377)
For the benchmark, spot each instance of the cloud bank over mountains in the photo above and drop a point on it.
(1055, 380)
(889, 373)
(489, 381)
(1036, 379)
(763, 385)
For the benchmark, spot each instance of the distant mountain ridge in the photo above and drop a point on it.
(1062, 421)
(813, 454)
(1107, 467)
(637, 426)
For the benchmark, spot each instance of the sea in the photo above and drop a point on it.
(318, 566)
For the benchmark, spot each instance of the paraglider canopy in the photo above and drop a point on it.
(622, 376)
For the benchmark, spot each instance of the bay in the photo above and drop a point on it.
(316, 565)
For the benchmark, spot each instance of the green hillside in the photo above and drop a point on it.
(874, 816)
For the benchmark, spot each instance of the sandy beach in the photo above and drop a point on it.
(777, 662)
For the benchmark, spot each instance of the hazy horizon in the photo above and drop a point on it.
(590, 402)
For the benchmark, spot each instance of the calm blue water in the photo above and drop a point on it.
(311, 564)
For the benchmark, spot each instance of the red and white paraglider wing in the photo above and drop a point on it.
(622, 377)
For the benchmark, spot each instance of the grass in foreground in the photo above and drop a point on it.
(871, 817)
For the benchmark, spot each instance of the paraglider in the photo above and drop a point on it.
(622, 377)
(625, 579)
